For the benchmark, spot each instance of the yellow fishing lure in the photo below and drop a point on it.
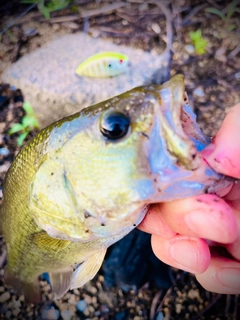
(103, 64)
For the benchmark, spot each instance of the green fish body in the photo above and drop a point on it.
(86, 181)
(103, 64)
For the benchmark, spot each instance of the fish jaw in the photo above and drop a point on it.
(174, 148)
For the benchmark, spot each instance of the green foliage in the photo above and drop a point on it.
(198, 41)
(227, 13)
(29, 123)
(46, 7)
(216, 11)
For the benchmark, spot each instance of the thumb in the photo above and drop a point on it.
(223, 154)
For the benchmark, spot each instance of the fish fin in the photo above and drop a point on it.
(88, 269)
(60, 281)
(46, 243)
(30, 290)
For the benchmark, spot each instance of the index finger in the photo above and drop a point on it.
(223, 154)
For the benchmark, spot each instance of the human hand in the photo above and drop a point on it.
(179, 227)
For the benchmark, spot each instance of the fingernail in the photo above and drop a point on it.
(230, 278)
(187, 259)
(206, 224)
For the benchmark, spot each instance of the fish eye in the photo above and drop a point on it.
(109, 65)
(114, 125)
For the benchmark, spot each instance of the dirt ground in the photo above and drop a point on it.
(213, 86)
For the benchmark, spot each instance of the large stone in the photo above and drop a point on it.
(48, 80)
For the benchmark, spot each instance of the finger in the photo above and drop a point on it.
(187, 253)
(154, 223)
(234, 248)
(206, 216)
(223, 154)
(222, 276)
(234, 196)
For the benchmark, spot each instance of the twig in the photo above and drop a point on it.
(212, 2)
(168, 16)
(104, 9)
(162, 74)
(177, 21)
(193, 12)
(109, 30)
(209, 306)
(227, 84)
(61, 19)
(235, 312)
(132, 18)
(234, 52)
(228, 302)
(164, 298)
(154, 304)
(18, 18)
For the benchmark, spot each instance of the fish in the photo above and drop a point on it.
(87, 180)
(103, 64)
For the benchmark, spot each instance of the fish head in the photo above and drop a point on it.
(106, 164)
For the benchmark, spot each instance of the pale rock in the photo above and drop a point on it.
(4, 297)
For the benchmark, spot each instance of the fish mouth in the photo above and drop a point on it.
(183, 137)
(174, 147)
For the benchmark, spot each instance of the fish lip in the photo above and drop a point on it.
(178, 123)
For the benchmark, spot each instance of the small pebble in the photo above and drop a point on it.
(237, 75)
(4, 152)
(160, 316)
(178, 308)
(29, 32)
(199, 92)
(190, 48)
(4, 168)
(93, 290)
(120, 315)
(8, 314)
(16, 312)
(88, 299)
(72, 299)
(156, 28)
(4, 308)
(67, 314)
(86, 312)
(16, 304)
(21, 298)
(81, 305)
(50, 314)
(55, 26)
(4, 297)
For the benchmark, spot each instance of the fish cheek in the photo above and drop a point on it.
(53, 204)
